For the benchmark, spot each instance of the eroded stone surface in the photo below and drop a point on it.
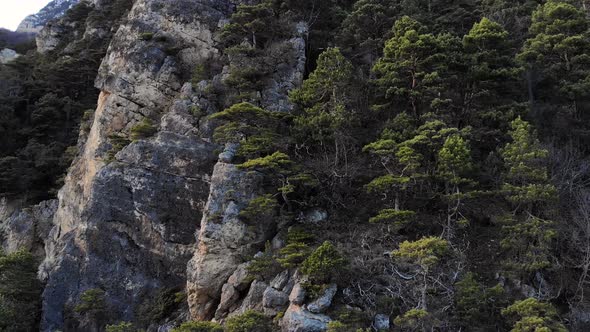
(127, 225)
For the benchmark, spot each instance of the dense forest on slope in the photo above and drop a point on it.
(448, 141)
(20, 42)
(43, 99)
(457, 129)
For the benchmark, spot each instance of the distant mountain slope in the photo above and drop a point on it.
(56, 8)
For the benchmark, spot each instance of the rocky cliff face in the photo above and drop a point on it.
(128, 217)
(127, 225)
(56, 8)
(141, 213)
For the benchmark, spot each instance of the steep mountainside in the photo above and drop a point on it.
(298, 166)
(54, 9)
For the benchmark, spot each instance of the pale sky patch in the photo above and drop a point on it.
(12, 12)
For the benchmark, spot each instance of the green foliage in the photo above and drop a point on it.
(43, 98)
(258, 23)
(258, 131)
(528, 240)
(264, 266)
(293, 254)
(117, 144)
(122, 327)
(297, 248)
(326, 99)
(425, 252)
(524, 156)
(532, 315)
(200, 73)
(386, 182)
(412, 70)
(527, 173)
(92, 306)
(366, 26)
(410, 157)
(323, 263)
(277, 162)
(160, 306)
(399, 218)
(146, 36)
(260, 208)
(477, 305)
(336, 326)
(199, 327)
(20, 292)
(490, 99)
(560, 40)
(527, 237)
(414, 319)
(454, 159)
(246, 80)
(144, 129)
(248, 322)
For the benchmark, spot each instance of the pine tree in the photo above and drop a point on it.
(327, 105)
(477, 305)
(413, 70)
(513, 15)
(425, 254)
(256, 23)
(557, 52)
(401, 164)
(492, 79)
(20, 292)
(527, 236)
(533, 315)
(454, 161)
(409, 156)
(527, 179)
(258, 132)
(455, 16)
(364, 29)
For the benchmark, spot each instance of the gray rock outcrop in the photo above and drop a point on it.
(224, 239)
(27, 228)
(381, 322)
(126, 220)
(53, 10)
(131, 206)
(297, 319)
(323, 302)
(7, 55)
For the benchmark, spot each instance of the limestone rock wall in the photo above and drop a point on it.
(25, 228)
(139, 214)
(127, 225)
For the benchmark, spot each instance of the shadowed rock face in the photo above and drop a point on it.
(128, 226)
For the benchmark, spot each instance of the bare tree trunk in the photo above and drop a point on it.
(423, 304)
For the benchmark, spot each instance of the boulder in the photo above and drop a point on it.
(381, 322)
(297, 295)
(280, 280)
(274, 301)
(297, 319)
(324, 301)
(314, 216)
(28, 228)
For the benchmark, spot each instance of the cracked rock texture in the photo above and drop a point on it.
(138, 215)
(127, 225)
(26, 228)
